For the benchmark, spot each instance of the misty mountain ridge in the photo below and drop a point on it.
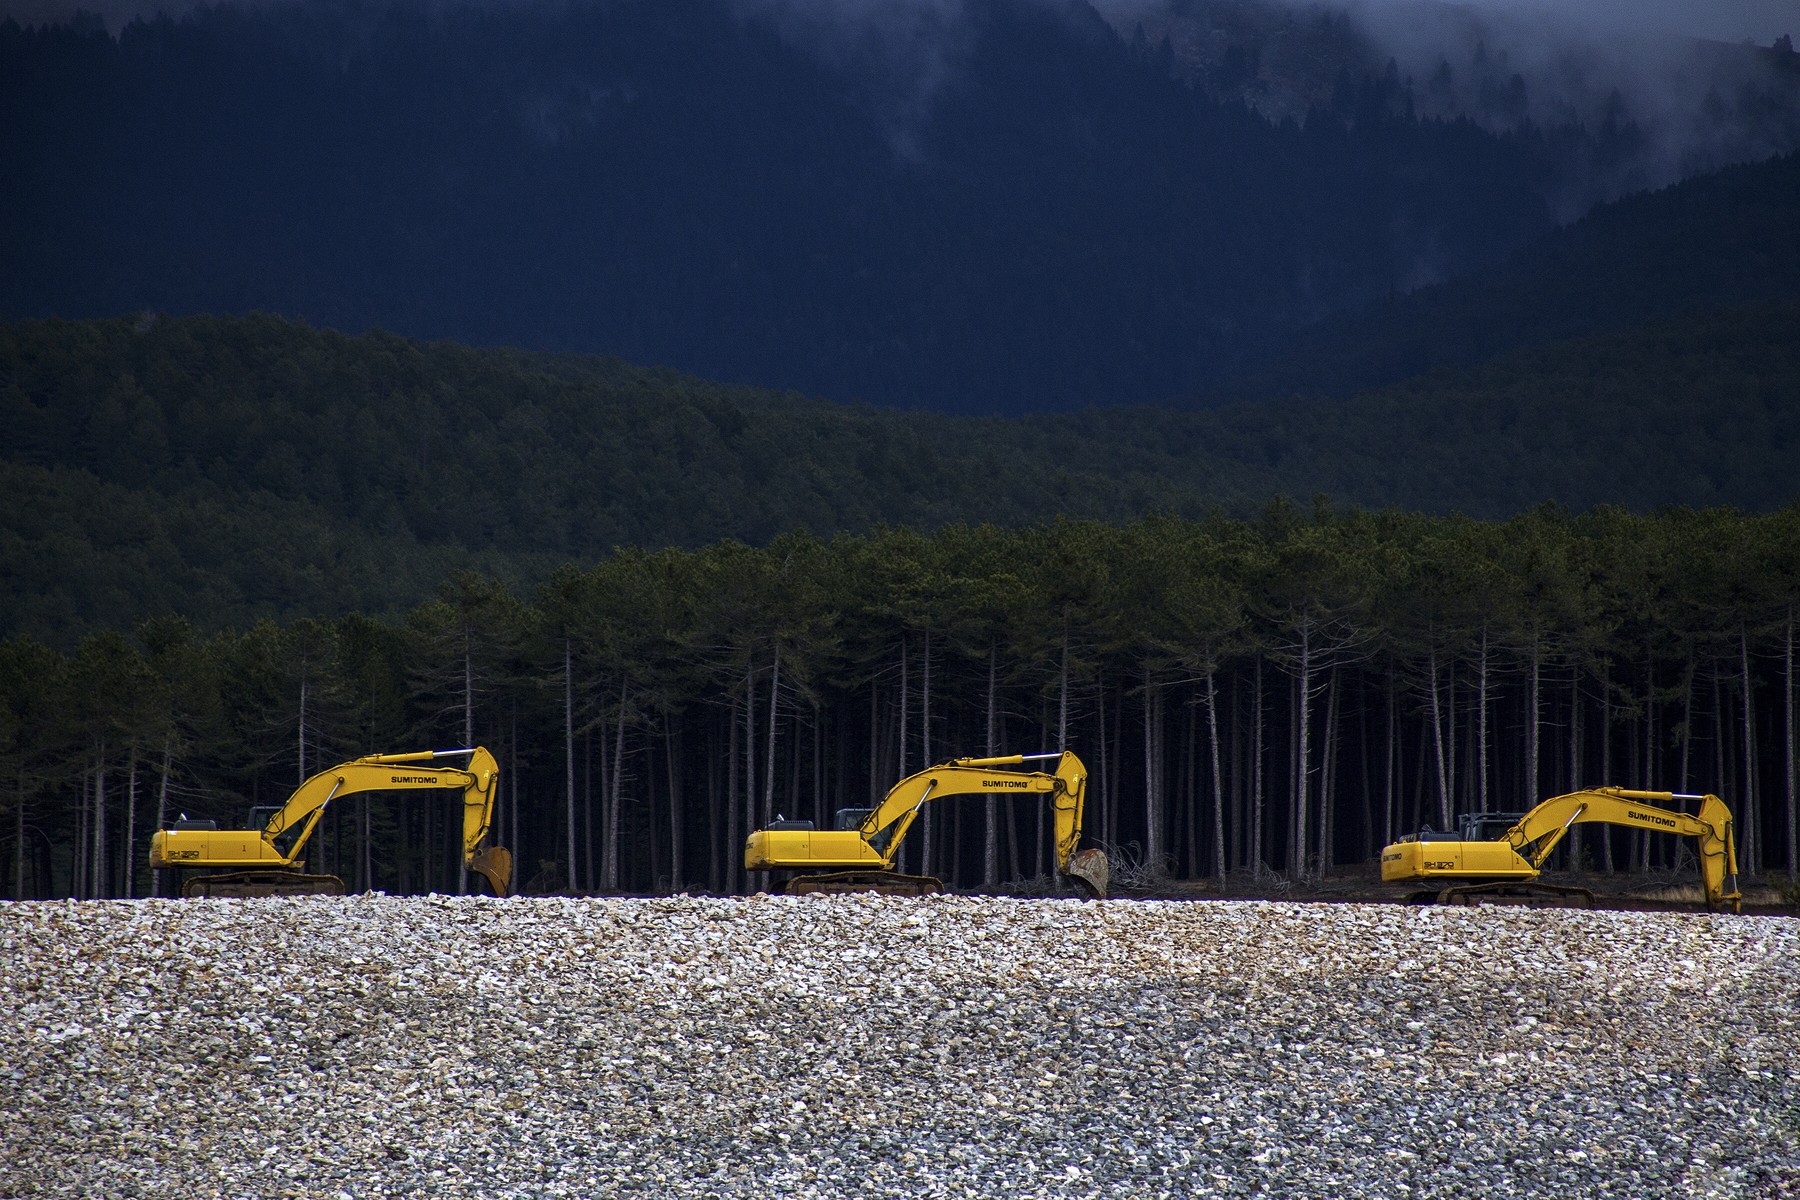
(972, 205)
(1691, 105)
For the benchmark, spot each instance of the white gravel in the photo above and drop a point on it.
(371, 1046)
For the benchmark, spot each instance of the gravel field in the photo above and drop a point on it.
(372, 1046)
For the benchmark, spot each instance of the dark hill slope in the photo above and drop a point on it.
(1006, 211)
(1730, 238)
(229, 468)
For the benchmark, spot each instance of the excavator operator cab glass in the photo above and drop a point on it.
(1488, 827)
(852, 818)
(259, 819)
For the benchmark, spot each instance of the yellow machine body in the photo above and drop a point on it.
(279, 843)
(1520, 850)
(1411, 860)
(873, 845)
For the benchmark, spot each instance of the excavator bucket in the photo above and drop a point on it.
(496, 863)
(1091, 871)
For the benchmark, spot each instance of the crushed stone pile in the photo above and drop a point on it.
(854, 1046)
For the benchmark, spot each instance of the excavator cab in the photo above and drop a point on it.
(1489, 827)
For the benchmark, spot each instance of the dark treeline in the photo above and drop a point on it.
(1280, 695)
(233, 469)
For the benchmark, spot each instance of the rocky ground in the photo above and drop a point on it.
(852, 1046)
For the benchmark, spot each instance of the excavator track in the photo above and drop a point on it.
(885, 883)
(1515, 893)
(247, 884)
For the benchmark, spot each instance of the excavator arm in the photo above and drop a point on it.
(1539, 831)
(874, 844)
(281, 840)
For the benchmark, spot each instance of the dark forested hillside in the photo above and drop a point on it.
(229, 468)
(1730, 238)
(1012, 210)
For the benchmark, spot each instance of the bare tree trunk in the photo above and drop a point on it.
(462, 865)
(1534, 742)
(1303, 755)
(672, 759)
(1793, 810)
(928, 851)
(1238, 851)
(733, 862)
(569, 753)
(1437, 737)
(615, 801)
(905, 703)
(1388, 776)
(751, 804)
(1687, 722)
(512, 779)
(592, 827)
(1641, 837)
(768, 804)
(1750, 845)
(1153, 839)
(131, 790)
(1256, 781)
(1575, 780)
(1481, 729)
(162, 797)
(1062, 701)
(1328, 777)
(97, 872)
(301, 737)
(874, 743)
(18, 889)
(990, 851)
(1603, 833)
(1450, 735)
(1218, 780)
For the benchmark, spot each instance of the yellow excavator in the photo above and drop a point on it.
(859, 855)
(1499, 855)
(266, 855)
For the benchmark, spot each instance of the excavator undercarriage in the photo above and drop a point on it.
(262, 883)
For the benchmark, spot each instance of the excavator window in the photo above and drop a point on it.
(1489, 827)
(852, 818)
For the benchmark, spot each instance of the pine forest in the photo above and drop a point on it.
(1268, 699)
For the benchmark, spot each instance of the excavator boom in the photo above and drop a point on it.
(867, 842)
(268, 856)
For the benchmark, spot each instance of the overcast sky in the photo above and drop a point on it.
(1760, 21)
